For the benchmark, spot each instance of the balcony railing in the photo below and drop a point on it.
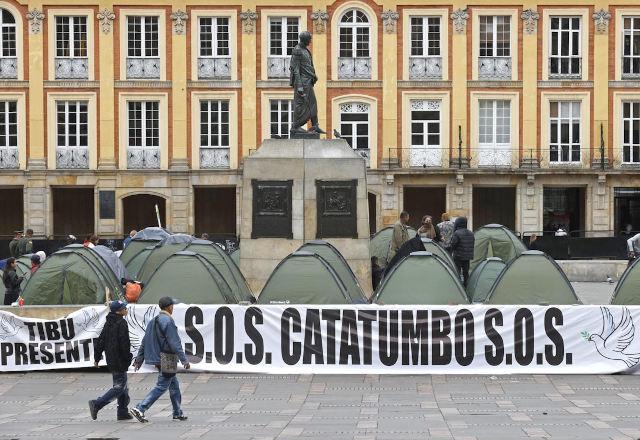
(72, 68)
(214, 68)
(354, 68)
(8, 68)
(278, 67)
(143, 68)
(425, 68)
(9, 158)
(565, 68)
(72, 158)
(143, 158)
(494, 68)
(214, 157)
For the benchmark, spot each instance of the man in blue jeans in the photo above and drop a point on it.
(161, 336)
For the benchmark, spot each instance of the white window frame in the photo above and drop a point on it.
(283, 47)
(633, 145)
(425, 154)
(629, 32)
(143, 125)
(67, 124)
(282, 131)
(354, 25)
(571, 120)
(4, 29)
(494, 122)
(209, 123)
(556, 34)
(355, 108)
(10, 140)
(424, 42)
(494, 34)
(215, 49)
(72, 23)
(144, 42)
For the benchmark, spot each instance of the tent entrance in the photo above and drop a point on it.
(11, 220)
(372, 213)
(215, 211)
(627, 208)
(422, 200)
(564, 208)
(73, 211)
(494, 205)
(139, 212)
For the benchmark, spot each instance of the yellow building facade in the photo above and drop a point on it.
(522, 113)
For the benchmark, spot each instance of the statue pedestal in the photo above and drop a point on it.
(294, 191)
(303, 135)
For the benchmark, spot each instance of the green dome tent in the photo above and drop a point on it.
(482, 278)
(496, 241)
(190, 278)
(137, 261)
(335, 259)
(71, 277)
(532, 278)
(304, 278)
(163, 250)
(235, 256)
(23, 265)
(435, 248)
(627, 291)
(144, 238)
(379, 244)
(421, 278)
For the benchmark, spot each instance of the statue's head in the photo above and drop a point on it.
(305, 38)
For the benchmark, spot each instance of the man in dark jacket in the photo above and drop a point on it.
(13, 245)
(462, 243)
(114, 342)
(25, 245)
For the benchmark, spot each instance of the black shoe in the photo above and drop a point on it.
(135, 412)
(126, 416)
(93, 410)
(318, 130)
(181, 418)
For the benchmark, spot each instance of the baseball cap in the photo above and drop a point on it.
(35, 258)
(166, 301)
(117, 305)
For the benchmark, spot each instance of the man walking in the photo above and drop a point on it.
(400, 234)
(114, 342)
(462, 244)
(161, 336)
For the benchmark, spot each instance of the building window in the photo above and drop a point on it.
(214, 134)
(72, 59)
(425, 133)
(354, 126)
(565, 59)
(631, 132)
(494, 132)
(9, 58)
(565, 131)
(425, 60)
(72, 131)
(354, 38)
(143, 150)
(631, 47)
(143, 56)
(9, 134)
(283, 38)
(495, 47)
(281, 116)
(214, 57)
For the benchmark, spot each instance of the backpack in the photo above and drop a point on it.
(132, 292)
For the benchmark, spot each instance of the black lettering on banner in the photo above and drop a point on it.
(464, 337)
(290, 322)
(6, 351)
(367, 317)
(415, 337)
(59, 352)
(313, 339)
(86, 348)
(194, 316)
(253, 352)
(21, 354)
(45, 353)
(349, 341)
(223, 323)
(33, 353)
(51, 329)
(73, 354)
(440, 340)
(67, 329)
(523, 343)
(30, 326)
(388, 337)
(331, 316)
(493, 318)
(553, 317)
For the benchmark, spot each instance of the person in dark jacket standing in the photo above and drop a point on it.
(462, 243)
(25, 245)
(13, 245)
(114, 342)
(11, 282)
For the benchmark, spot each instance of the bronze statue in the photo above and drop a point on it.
(303, 77)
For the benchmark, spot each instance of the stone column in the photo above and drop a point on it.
(459, 54)
(107, 159)
(247, 33)
(389, 61)
(178, 142)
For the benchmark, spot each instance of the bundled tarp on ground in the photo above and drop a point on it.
(379, 245)
(421, 278)
(144, 238)
(433, 247)
(482, 278)
(163, 250)
(627, 292)
(335, 259)
(304, 278)
(495, 240)
(188, 277)
(532, 278)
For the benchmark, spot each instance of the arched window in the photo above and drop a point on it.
(8, 54)
(354, 126)
(355, 41)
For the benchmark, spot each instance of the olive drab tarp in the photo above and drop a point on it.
(482, 278)
(137, 261)
(495, 241)
(152, 233)
(421, 278)
(627, 291)
(532, 278)
(304, 278)
(379, 245)
(435, 248)
(335, 259)
(167, 247)
(189, 278)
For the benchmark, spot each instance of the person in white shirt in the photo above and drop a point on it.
(633, 246)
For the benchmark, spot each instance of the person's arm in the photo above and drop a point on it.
(125, 343)
(137, 363)
(14, 279)
(397, 239)
(294, 65)
(98, 347)
(173, 339)
(455, 240)
(631, 241)
(29, 247)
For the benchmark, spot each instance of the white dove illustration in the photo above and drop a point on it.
(614, 340)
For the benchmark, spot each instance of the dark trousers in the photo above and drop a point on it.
(120, 391)
(10, 298)
(463, 269)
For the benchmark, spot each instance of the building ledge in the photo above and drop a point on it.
(214, 84)
(562, 83)
(71, 84)
(146, 84)
(355, 84)
(498, 84)
(430, 83)
(273, 84)
(624, 84)
(13, 83)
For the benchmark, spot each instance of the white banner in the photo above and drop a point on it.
(361, 339)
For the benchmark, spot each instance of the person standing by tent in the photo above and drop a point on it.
(427, 230)
(445, 228)
(35, 263)
(162, 347)
(25, 245)
(127, 240)
(633, 245)
(400, 234)
(13, 244)
(114, 342)
(462, 244)
(533, 245)
(11, 282)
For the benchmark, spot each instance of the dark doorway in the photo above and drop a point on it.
(12, 212)
(494, 205)
(422, 200)
(564, 208)
(627, 210)
(73, 212)
(139, 212)
(215, 211)
(372, 213)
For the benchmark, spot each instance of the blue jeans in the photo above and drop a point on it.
(165, 381)
(120, 391)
